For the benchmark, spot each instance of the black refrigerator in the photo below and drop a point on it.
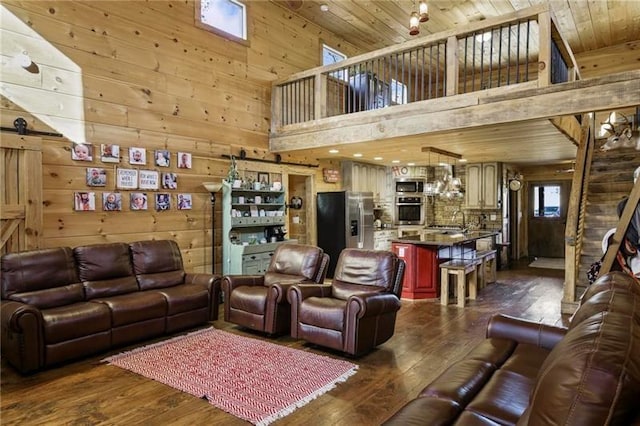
(345, 220)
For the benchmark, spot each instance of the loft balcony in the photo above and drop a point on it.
(513, 69)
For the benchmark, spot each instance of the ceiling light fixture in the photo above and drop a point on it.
(377, 158)
(333, 151)
(421, 15)
(324, 8)
(357, 154)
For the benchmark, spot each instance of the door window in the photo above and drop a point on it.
(546, 201)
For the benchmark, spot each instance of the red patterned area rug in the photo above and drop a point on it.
(255, 380)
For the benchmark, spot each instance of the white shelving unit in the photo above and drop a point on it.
(246, 214)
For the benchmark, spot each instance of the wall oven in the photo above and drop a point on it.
(409, 210)
(409, 186)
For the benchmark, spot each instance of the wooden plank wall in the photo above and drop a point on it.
(141, 74)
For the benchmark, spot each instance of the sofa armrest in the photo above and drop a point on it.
(373, 304)
(299, 292)
(231, 282)
(525, 331)
(212, 282)
(22, 340)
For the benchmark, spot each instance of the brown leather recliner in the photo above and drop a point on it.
(357, 312)
(260, 302)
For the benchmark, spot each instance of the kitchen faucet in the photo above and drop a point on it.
(464, 220)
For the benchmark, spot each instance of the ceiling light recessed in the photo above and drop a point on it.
(462, 160)
(324, 8)
(377, 158)
(333, 151)
(411, 164)
(395, 161)
(357, 154)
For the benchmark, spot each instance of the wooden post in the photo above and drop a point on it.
(276, 107)
(320, 96)
(452, 66)
(544, 55)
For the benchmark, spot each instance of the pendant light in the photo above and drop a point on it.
(424, 11)
(414, 22)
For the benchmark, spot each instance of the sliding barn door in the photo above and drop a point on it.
(20, 192)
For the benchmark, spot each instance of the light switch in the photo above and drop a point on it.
(493, 217)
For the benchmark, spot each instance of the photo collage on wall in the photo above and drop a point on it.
(131, 179)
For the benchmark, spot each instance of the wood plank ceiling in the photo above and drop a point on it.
(374, 24)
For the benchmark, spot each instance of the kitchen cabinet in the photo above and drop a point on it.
(421, 280)
(361, 177)
(246, 216)
(483, 186)
(382, 238)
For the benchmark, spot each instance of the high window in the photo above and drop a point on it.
(225, 17)
(331, 56)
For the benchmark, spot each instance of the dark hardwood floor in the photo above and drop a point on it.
(428, 338)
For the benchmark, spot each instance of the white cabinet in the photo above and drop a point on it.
(382, 238)
(246, 214)
(361, 177)
(483, 186)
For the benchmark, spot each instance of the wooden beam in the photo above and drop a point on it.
(16, 141)
(544, 49)
(441, 152)
(12, 211)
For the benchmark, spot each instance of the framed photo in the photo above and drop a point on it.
(169, 181)
(184, 160)
(85, 201)
(111, 201)
(81, 151)
(148, 179)
(138, 201)
(137, 155)
(263, 178)
(127, 179)
(96, 177)
(184, 201)
(110, 153)
(163, 202)
(162, 158)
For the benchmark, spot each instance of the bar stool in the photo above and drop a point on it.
(486, 259)
(460, 268)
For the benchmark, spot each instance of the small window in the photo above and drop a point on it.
(332, 56)
(398, 92)
(226, 16)
(546, 201)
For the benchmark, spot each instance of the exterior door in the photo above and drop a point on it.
(547, 216)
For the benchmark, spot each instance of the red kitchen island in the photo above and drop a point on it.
(422, 257)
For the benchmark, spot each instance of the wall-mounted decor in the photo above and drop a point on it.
(138, 201)
(137, 155)
(96, 176)
(81, 151)
(163, 158)
(110, 153)
(184, 201)
(85, 201)
(184, 160)
(111, 201)
(169, 181)
(163, 201)
(148, 179)
(126, 179)
(263, 180)
(331, 175)
(296, 203)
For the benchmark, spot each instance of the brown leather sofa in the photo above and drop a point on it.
(59, 304)
(357, 312)
(260, 302)
(527, 373)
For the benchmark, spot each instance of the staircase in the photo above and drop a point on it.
(610, 180)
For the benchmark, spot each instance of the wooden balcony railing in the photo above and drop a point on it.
(523, 48)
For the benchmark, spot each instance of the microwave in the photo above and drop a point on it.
(409, 186)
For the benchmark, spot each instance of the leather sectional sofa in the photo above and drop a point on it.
(59, 304)
(527, 373)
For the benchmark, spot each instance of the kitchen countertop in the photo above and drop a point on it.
(446, 238)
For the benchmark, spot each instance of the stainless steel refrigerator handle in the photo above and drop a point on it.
(361, 224)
